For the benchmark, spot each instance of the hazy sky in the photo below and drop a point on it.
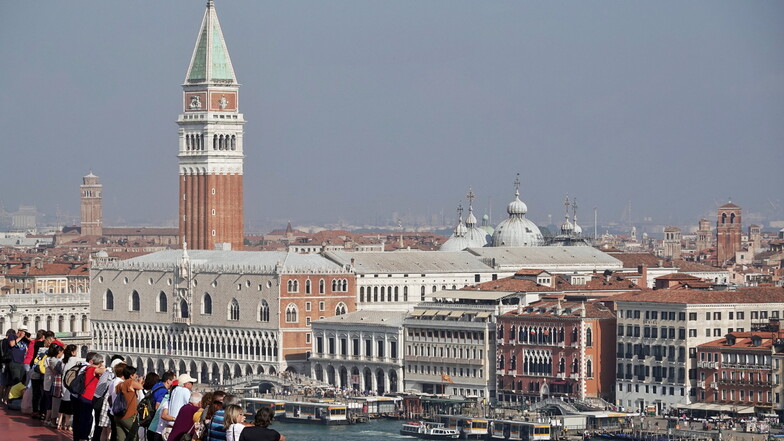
(357, 109)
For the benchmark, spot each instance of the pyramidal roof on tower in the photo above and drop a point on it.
(210, 62)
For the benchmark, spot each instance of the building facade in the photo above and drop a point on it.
(672, 243)
(450, 349)
(555, 348)
(211, 145)
(216, 314)
(659, 332)
(362, 350)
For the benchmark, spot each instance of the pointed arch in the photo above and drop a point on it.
(322, 286)
(341, 309)
(307, 286)
(134, 302)
(234, 310)
(588, 337)
(184, 312)
(108, 300)
(291, 313)
(163, 302)
(206, 304)
(264, 311)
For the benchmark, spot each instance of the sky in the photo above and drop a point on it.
(359, 109)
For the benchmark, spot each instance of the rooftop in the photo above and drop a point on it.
(703, 297)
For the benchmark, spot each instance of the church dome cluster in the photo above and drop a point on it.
(515, 231)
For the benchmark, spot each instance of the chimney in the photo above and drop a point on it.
(643, 270)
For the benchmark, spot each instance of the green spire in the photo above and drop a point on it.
(210, 61)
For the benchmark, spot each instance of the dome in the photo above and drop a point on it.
(487, 228)
(578, 230)
(102, 253)
(516, 230)
(457, 241)
(516, 206)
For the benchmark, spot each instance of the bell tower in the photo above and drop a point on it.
(91, 207)
(728, 232)
(211, 145)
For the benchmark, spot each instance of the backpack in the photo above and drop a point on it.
(73, 379)
(119, 405)
(5, 351)
(39, 364)
(146, 407)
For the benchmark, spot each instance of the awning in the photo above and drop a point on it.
(442, 312)
(417, 312)
(430, 312)
(456, 314)
(710, 407)
(483, 314)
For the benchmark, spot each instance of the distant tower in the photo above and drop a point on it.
(210, 151)
(92, 217)
(755, 237)
(728, 232)
(672, 243)
(704, 235)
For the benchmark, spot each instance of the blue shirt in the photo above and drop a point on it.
(216, 430)
(158, 392)
(19, 350)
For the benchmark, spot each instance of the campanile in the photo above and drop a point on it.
(210, 151)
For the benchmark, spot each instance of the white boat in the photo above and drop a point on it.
(428, 430)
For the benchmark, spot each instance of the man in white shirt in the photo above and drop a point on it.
(181, 394)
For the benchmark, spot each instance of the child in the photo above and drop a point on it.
(233, 421)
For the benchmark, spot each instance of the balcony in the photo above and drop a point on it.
(714, 386)
(701, 384)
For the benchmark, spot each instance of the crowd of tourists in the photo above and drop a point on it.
(99, 399)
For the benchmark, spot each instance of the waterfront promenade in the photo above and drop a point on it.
(15, 426)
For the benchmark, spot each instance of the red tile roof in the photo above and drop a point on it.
(694, 296)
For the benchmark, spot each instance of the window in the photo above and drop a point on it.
(341, 309)
(163, 302)
(135, 303)
(588, 337)
(322, 306)
(692, 316)
(717, 332)
(681, 316)
(307, 307)
(206, 304)
(620, 330)
(740, 315)
(108, 300)
(716, 316)
(184, 311)
(692, 332)
(264, 311)
(307, 286)
(292, 286)
(234, 310)
(322, 286)
(291, 313)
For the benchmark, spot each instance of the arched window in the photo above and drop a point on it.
(233, 142)
(206, 304)
(234, 310)
(291, 313)
(322, 286)
(344, 285)
(588, 369)
(562, 365)
(264, 312)
(341, 309)
(135, 303)
(574, 335)
(396, 295)
(405, 293)
(184, 313)
(732, 218)
(362, 294)
(334, 285)
(215, 142)
(307, 286)
(163, 302)
(422, 294)
(108, 300)
(575, 366)
(588, 338)
(293, 285)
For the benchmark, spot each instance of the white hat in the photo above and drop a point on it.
(185, 378)
(116, 361)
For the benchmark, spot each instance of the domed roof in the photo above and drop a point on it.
(516, 206)
(516, 230)
(457, 241)
(101, 253)
(577, 229)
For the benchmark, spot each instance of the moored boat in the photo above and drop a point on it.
(428, 430)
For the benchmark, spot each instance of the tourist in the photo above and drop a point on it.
(216, 431)
(214, 406)
(124, 424)
(186, 418)
(17, 367)
(233, 420)
(260, 430)
(83, 405)
(5, 361)
(107, 420)
(181, 395)
(15, 395)
(53, 382)
(66, 406)
(106, 384)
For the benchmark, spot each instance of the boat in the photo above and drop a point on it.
(467, 427)
(323, 413)
(519, 430)
(252, 405)
(428, 430)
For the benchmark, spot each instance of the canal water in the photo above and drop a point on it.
(375, 430)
